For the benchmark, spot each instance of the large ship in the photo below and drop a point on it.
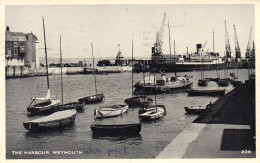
(188, 62)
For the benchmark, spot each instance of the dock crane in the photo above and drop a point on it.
(227, 46)
(157, 49)
(237, 48)
(249, 45)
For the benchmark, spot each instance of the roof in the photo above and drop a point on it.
(17, 36)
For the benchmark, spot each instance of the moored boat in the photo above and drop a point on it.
(194, 109)
(153, 112)
(73, 105)
(165, 85)
(116, 129)
(206, 92)
(44, 105)
(96, 98)
(197, 109)
(110, 111)
(223, 82)
(92, 99)
(202, 82)
(56, 120)
(138, 101)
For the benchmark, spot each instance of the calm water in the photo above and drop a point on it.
(154, 136)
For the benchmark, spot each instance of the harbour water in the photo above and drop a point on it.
(154, 136)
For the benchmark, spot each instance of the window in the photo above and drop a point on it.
(15, 44)
(15, 51)
(22, 48)
(9, 53)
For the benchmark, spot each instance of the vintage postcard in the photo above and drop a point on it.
(124, 80)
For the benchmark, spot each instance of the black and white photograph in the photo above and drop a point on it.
(129, 80)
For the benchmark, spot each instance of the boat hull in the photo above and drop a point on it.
(194, 111)
(171, 67)
(116, 130)
(110, 111)
(41, 109)
(223, 82)
(138, 101)
(75, 105)
(159, 89)
(194, 92)
(92, 99)
(51, 124)
(152, 113)
(202, 82)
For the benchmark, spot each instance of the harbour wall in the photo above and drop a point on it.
(223, 131)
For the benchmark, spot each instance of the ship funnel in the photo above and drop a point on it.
(199, 49)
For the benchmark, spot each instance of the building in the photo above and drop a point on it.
(20, 49)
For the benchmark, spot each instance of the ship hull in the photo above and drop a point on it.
(171, 67)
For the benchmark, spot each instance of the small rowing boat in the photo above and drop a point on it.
(152, 112)
(194, 109)
(202, 82)
(223, 82)
(206, 92)
(110, 111)
(74, 105)
(138, 101)
(56, 120)
(92, 99)
(116, 129)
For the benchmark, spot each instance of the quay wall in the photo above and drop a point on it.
(22, 71)
(232, 112)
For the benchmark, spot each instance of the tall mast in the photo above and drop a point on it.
(144, 85)
(213, 42)
(61, 72)
(174, 59)
(132, 68)
(154, 88)
(169, 40)
(45, 47)
(94, 68)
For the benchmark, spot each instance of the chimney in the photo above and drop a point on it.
(7, 28)
(199, 49)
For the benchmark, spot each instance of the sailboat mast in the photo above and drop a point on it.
(213, 42)
(170, 40)
(61, 72)
(45, 47)
(132, 68)
(143, 84)
(174, 59)
(201, 77)
(154, 89)
(94, 68)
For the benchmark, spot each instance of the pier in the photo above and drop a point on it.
(226, 130)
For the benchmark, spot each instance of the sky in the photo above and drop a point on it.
(106, 26)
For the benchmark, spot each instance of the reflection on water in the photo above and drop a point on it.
(154, 136)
